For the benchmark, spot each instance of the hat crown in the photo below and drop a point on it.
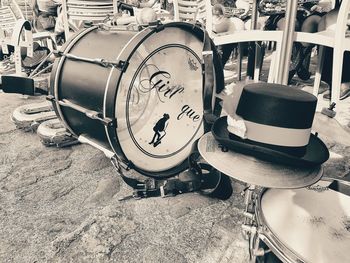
(277, 105)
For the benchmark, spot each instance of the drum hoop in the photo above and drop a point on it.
(112, 90)
(269, 237)
(56, 70)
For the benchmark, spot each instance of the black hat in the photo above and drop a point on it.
(273, 123)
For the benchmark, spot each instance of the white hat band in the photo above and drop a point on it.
(288, 137)
(267, 134)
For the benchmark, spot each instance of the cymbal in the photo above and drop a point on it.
(254, 171)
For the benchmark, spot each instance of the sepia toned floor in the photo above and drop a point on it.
(61, 205)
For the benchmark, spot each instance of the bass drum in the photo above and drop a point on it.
(146, 106)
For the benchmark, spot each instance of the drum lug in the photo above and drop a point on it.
(122, 65)
(157, 25)
(111, 123)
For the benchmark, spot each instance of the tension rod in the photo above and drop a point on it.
(99, 61)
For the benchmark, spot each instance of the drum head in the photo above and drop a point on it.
(313, 223)
(159, 104)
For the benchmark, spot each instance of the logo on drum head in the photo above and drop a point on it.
(192, 64)
(318, 188)
(160, 130)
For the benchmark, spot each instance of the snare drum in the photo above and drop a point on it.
(135, 94)
(308, 224)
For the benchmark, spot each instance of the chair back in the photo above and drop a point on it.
(25, 8)
(75, 12)
(7, 20)
(194, 10)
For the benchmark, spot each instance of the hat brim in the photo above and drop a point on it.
(316, 151)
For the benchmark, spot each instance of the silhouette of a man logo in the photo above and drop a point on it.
(158, 128)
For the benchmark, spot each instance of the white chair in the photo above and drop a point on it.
(26, 9)
(334, 37)
(21, 37)
(75, 12)
(185, 10)
(12, 11)
(188, 10)
(7, 21)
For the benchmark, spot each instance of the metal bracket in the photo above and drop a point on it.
(95, 115)
(121, 65)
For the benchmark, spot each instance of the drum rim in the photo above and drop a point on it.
(110, 97)
(270, 238)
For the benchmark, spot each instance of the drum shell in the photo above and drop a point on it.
(84, 83)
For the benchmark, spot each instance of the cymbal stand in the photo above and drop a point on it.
(250, 226)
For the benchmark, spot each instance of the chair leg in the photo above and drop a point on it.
(338, 60)
(239, 61)
(272, 70)
(259, 59)
(319, 69)
(276, 55)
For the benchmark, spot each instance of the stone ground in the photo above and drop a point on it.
(61, 205)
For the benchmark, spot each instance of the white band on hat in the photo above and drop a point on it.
(277, 135)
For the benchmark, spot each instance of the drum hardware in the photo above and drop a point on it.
(250, 227)
(199, 177)
(111, 27)
(151, 187)
(94, 115)
(84, 139)
(121, 65)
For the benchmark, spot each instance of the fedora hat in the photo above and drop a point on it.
(272, 122)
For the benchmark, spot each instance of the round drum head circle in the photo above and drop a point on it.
(159, 105)
(308, 224)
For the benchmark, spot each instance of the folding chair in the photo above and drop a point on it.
(75, 12)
